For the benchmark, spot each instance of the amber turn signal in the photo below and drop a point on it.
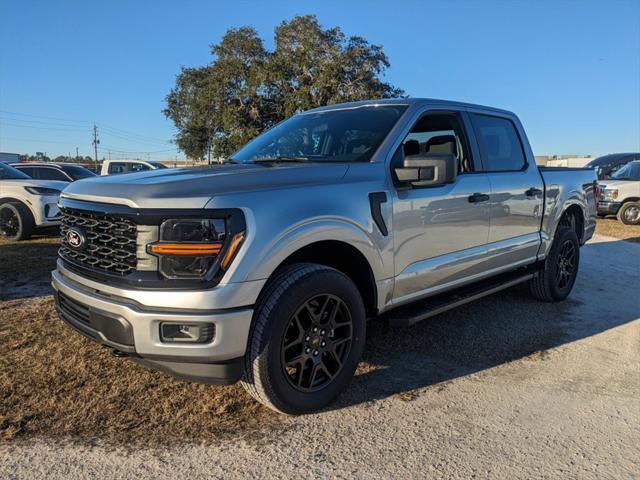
(191, 249)
(231, 251)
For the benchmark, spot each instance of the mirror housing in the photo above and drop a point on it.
(428, 170)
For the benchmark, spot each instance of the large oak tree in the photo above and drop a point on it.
(246, 88)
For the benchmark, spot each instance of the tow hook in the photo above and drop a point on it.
(119, 353)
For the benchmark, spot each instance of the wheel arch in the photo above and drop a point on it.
(18, 200)
(573, 216)
(345, 258)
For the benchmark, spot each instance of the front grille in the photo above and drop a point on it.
(110, 241)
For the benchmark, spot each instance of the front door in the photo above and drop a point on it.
(440, 233)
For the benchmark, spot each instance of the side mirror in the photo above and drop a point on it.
(428, 170)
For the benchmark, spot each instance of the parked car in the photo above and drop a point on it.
(63, 172)
(264, 269)
(111, 167)
(26, 204)
(607, 165)
(621, 195)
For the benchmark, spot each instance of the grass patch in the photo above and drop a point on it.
(611, 227)
(25, 267)
(54, 383)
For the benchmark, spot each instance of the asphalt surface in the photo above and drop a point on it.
(506, 387)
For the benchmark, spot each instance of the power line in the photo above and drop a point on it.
(75, 124)
(139, 151)
(43, 128)
(42, 116)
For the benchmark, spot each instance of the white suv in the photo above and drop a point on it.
(26, 204)
(621, 194)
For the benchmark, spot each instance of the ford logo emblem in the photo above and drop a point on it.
(75, 238)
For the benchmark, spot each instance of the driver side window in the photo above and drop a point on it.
(439, 133)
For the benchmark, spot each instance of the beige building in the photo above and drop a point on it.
(563, 160)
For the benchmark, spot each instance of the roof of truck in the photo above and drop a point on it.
(404, 101)
(46, 164)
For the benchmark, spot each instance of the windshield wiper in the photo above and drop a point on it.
(281, 158)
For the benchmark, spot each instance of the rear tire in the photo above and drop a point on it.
(307, 339)
(555, 280)
(629, 213)
(16, 221)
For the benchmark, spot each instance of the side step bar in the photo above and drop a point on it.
(405, 316)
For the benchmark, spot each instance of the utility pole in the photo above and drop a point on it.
(76, 154)
(95, 143)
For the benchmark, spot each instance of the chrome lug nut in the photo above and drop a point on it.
(315, 353)
(323, 344)
(307, 350)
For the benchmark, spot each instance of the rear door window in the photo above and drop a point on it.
(48, 173)
(499, 143)
(31, 171)
(138, 167)
(117, 167)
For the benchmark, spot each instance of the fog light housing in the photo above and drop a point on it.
(174, 332)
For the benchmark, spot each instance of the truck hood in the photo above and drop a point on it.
(619, 184)
(194, 187)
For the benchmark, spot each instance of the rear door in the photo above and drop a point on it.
(517, 189)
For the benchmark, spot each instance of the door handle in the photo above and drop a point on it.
(533, 192)
(478, 197)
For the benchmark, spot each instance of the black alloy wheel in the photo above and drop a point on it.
(9, 223)
(317, 342)
(566, 264)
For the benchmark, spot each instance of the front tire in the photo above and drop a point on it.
(555, 280)
(16, 221)
(629, 213)
(307, 339)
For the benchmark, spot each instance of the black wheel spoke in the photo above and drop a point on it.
(313, 374)
(316, 343)
(566, 264)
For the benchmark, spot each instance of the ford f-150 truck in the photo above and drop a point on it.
(265, 269)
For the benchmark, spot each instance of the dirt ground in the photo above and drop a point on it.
(506, 387)
(611, 227)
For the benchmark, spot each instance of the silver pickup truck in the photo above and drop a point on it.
(265, 269)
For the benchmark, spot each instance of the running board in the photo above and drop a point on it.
(422, 309)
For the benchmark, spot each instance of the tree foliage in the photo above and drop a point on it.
(247, 88)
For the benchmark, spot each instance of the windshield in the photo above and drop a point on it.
(77, 172)
(631, 171)
(7, 172)
(345, 135)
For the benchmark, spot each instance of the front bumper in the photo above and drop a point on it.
(608, 208)
(46, 211)
(134, 330)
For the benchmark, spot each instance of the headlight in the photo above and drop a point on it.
(194, 248)
(610, 194)
(42, 191)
